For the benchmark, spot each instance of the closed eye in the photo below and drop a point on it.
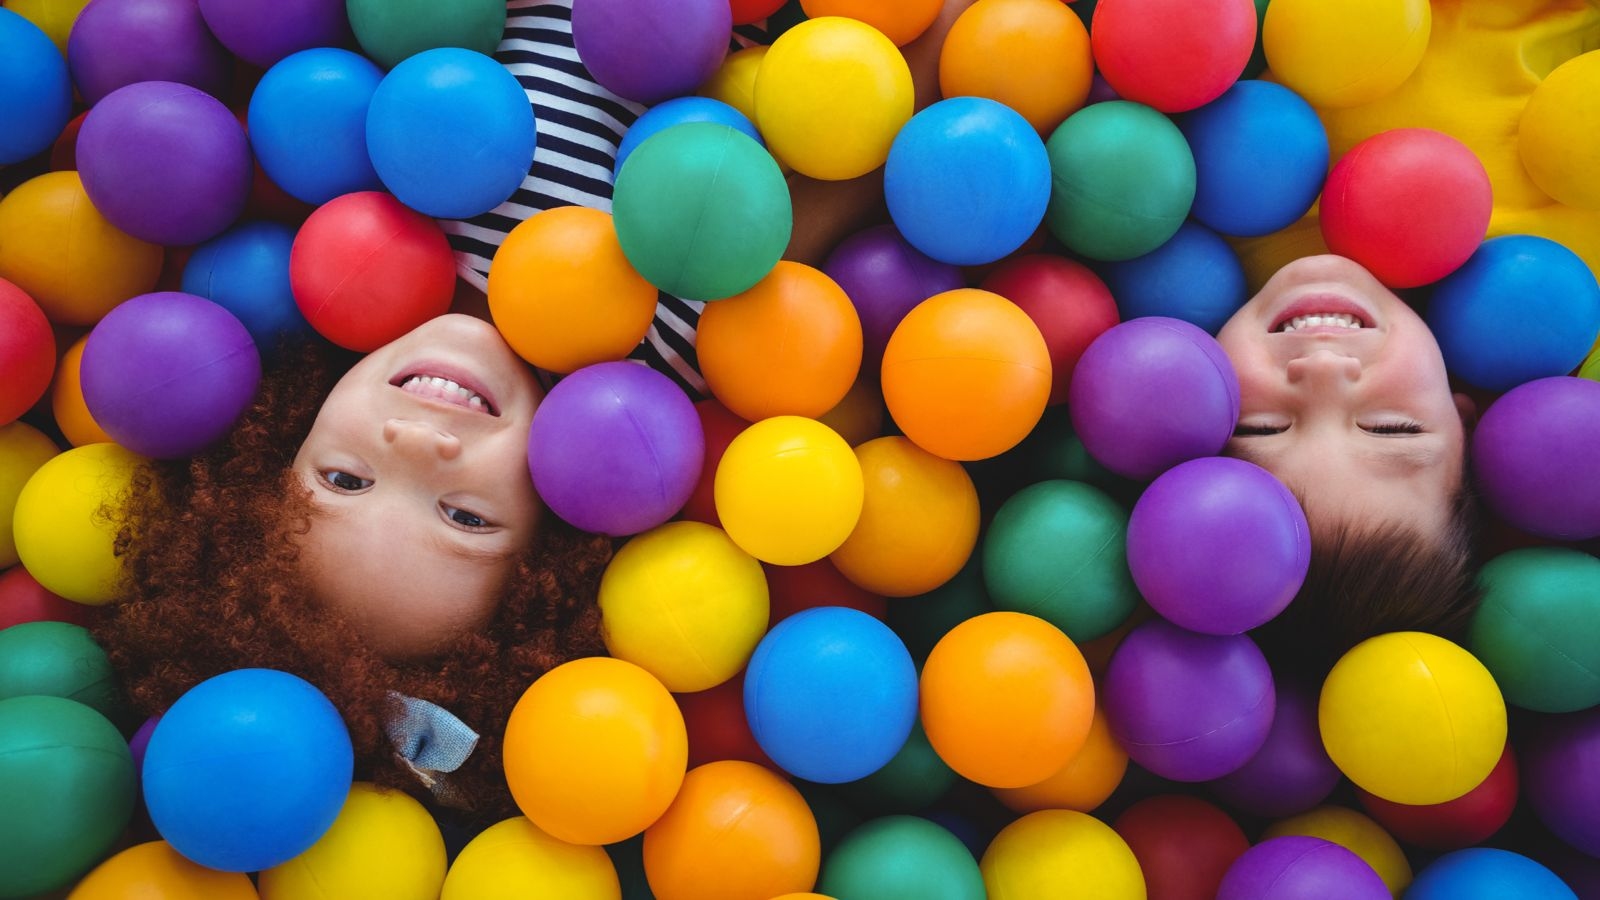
(1244, 430)
(1395, 428)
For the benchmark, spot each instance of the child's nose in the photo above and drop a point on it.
(1324, 367)
(420, 438)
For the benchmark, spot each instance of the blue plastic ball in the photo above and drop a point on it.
(676, 112)
(1195, 276)
(247, 770)
(451, 133)
(1486, 873)
(308, 124)
(967, 181)
(245, 270)
(1520, 308)
(831, 694)
(35, 90)
(1260, 156)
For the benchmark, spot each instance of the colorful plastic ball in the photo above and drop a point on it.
(915, 779)
(245, 270)
(165, 162)
(1523, 463)
(53, 17)
(901, 856)
(831, 694)
(58, 659)
(1536, 630)
(23, 599)
(1260, 157)
(1491, 337)
(702, 211)
(900, 22)
(1412, 718)
(885, 278)
(734, 83)
(1340, 55)
(923, 621)
(788, 346)
(1188, 707)
(1410, 204)
(261, 32)
(1046, 48)
(365, 269)
(1356, 833)
(27, 352)
(677, 111)
(919, 520)
(1291, 773)
(718, 427)
(247, 770)
(383, 844)
(797, 588)
(563, 294)
(595, 751)
(1470, 819)
(70, 787)
(115, 43)
(789, 490)
(1549, 134)
(450, 132)
(1151, 393)
(997, 204)
(390, 31)
(168, 374)
(1123, 180)
(515, 860)
(1183, 844)
(717, 727)
(746, 12)
(831, 95)
(154, 869)
(735, 830)
(308, 124)
(1195, 276)
(36, 89)
(1170, 54)
(651, 50)
(62, 535)
(1058, 852)
(66, 400)
(1065, 299)
(1561, 777)
(1085, 782)
(1487, 873)
(966, 374)
(858, 417)
(1306, 868)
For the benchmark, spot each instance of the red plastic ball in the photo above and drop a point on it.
(1174, 55)
(1069, 303)
(746, 12)
(792, 589)
(1184, 845)
(719, 427)
(1463, 822)
(717, 726)
(366, 269)
(23, 599)
(1410, 204)
(27, 352)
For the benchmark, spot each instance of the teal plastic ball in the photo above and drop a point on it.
(57, 659)
(1537, 629)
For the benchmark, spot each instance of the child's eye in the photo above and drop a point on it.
(344, 481)
(465, 518)
(1243, 429)
(1396, 428)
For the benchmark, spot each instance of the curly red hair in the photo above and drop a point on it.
(209, 553)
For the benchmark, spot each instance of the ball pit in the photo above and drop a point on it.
(245, 270)
(901, 856)
(717, 729)
(1304, 867)
(651, 50)
(789, 490)
(58, 659)
(1346, 54)
(915, 779)
(61, 537)
(36, 88)
(1291, 773)
(820, 583)
(1046, 853)
(27, 352)
(885, 278)
(718, 428)
(1085, 782)
(1195, 276)
(1483, 873)
(678, 111)
(390, 31)
(23, 599)
(1066, 300)
(901, 22)
(1183, 844)
(154, 869)
(66, 400)
(308, 124)
(1520, 459)
(382, 844)
(1170, 54)
(115, 43)
(1470, 819)
(1049, 63)
(54, 17)
(1354, 832)
(265, 31)
(515, 860)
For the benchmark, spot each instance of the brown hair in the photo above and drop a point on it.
(211, 585)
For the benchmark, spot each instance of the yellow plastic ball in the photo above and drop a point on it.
(1347, 53)
(23, 449)
(63, 533)
(1556, 138)
(155, 871)
(831, 95)
(789, 490)
(1083, 783)
(383, 846)
(1060, 853)
(1356, 833)
(66, 400)
(514, 860)
(685, 603)
(59, 249)
(1049, 67)
(735, 82)
(54, 17)
(1412, 718)
(919, 520)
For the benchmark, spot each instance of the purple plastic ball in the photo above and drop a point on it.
(167, 374)
(1151, 393)
(1218, 545)
(261, 32)
(1291, 773)
(885, 277)
(1561, 777)
(165, 162)
(141, 741)
(1533, 455)
(616, 448)
(115, 43)
(651, 50)
(1305, 868)
(1188, 707)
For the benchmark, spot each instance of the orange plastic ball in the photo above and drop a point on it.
(919, 520)
(66, 400)
(790, 346)
(1007, 699)
(902, 21)
(1083, 783)
(156, 870)
(595, 751)
(966, 374)
(562, 293)
(1048, 65)
(736, 830)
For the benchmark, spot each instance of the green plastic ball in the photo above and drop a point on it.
(913, 780)
(702, 211)
(67, 788)
(391, 30)
(1058, 550)
(922, 620)
(1538, 628)
(901, 858)
(58, 659)
(1122, 180)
